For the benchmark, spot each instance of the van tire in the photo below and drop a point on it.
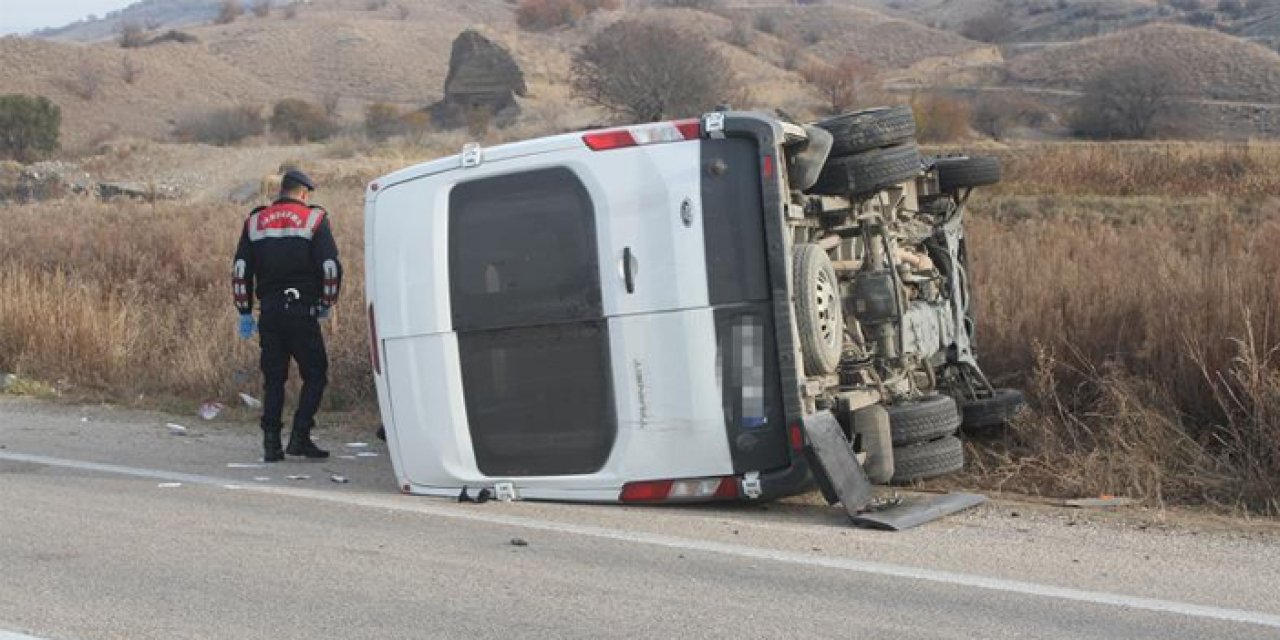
(927, 460)
(819, 315)
(869, 172)
(923, 419)
(994, 411)
(963, 172)
(870, 129)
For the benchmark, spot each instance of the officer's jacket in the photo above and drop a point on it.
(287, 245)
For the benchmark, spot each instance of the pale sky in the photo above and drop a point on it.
(22, 16)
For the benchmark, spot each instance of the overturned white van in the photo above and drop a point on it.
(610, 315)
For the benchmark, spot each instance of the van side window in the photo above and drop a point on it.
(522, 251)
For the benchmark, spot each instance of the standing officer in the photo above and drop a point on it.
(287, 257)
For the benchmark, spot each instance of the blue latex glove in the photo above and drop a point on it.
(247, 326)
(322, 312)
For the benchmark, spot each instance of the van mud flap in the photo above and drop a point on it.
(841, 479)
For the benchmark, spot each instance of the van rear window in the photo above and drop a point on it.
(522, 251)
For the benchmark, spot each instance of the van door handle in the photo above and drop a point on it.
(628, 274)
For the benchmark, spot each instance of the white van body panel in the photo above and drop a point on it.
(644, 212)
(662, 336)
(668, 398)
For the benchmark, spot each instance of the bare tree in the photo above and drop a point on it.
(1133, 100)
(844, 83)
(644, 72)
(262, 8)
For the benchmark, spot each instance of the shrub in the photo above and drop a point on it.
(228, 11)
(992, 26)
(173, 35)
(766, 23)
(536, 15)
(132, 35)
(301, 121)
(741, 34)
(644, 72)
(382, 121)
(940, 118)
(85, 84)
(1131, 100)
(844, 83)
(222, 127)
(262, 8)
(130, 70)
(29, 126)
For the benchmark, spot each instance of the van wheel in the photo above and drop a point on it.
(928, 460)
(869, 172)
(870, 129)
(994, 411)
(963, 172)
(819, 315)
(922, 420)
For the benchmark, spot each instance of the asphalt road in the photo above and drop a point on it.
(96, 541)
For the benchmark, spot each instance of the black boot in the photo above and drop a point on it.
(300, 444)
(272, 450)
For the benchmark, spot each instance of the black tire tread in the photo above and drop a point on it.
(867, 173)
(928, 460)
(963, 172)
(870, 129)
(996, 411)
(923, 420)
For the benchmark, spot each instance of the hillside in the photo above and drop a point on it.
(1217, 65)
(830, 31)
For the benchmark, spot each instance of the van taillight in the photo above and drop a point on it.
(373, 342)
(796, 435)
(687, 489)
(675, 131)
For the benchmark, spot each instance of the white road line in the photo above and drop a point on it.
(9, 635)
(426, 507)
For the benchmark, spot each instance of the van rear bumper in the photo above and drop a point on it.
(786, 482)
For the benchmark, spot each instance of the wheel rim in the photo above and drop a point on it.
(825, 308)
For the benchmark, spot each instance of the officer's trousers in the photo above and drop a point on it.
(284, 335)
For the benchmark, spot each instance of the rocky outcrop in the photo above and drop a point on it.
(482, 84)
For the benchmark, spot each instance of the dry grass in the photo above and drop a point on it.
(1145, 328)
(1244, 170)
(121, 300)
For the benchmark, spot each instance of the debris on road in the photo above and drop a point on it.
(339, 479)
(519, 542)
(1101, 502)
(250, 401)
(210, 410)
(176, 429)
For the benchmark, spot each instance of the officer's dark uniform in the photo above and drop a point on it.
(288, 258)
